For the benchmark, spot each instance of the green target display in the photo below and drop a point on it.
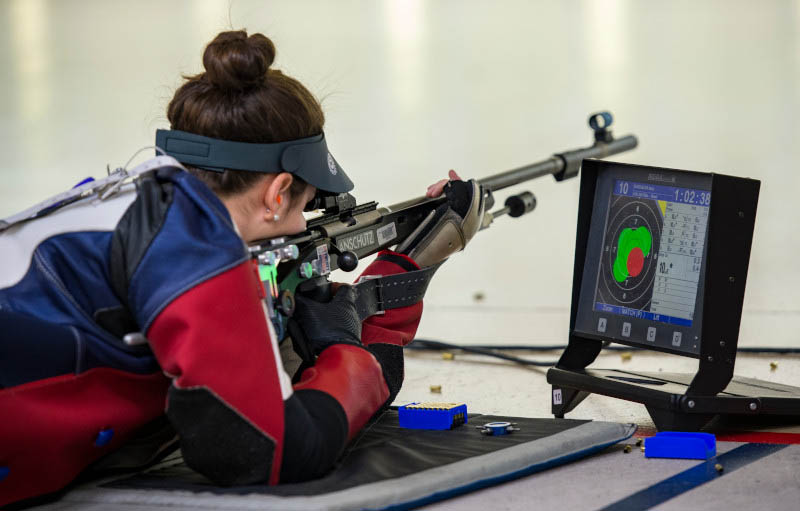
(630, 250)
(633, 246)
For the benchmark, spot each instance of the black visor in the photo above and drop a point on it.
(307, 158)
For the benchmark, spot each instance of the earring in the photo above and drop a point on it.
(276, 217)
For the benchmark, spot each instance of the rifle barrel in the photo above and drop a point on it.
(562, 165)
(552, 165)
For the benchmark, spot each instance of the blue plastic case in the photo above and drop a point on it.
(677, 444)
(432, 415)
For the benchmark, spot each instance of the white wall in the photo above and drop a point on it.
(413, 88)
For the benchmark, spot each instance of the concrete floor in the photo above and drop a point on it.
(412, 89)
(494, 386)
(490, 385)
(607, 479)
(610, 478)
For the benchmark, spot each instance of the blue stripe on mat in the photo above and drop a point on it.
(694, 477)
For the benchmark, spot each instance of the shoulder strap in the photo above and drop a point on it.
(102, 188)
(393, 291)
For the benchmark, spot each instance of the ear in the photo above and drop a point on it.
(276, 194)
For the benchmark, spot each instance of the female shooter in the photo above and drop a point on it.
(165, 259)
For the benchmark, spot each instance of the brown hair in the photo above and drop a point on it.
(240, 98)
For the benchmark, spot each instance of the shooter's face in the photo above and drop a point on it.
(295, 221)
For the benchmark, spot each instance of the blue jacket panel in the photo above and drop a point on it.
(83, 289)
(196, 242)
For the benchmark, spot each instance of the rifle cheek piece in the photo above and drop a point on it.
(307, 158)
(445, 231)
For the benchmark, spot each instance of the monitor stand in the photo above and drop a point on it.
(675, 401)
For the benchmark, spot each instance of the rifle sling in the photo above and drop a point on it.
(392, 291)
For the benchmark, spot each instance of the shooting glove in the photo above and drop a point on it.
(323, 324)
(449, 227)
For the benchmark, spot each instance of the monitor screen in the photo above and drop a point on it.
(645, 258)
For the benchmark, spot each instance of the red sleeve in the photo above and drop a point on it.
(230, 392)
(394, 326)
(353, 377)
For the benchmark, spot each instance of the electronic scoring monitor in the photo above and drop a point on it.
(643, 276)
(661, 261)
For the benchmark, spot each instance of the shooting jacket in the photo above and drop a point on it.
(162, 258)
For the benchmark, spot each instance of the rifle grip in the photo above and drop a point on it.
(317, 289)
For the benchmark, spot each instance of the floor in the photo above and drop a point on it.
(414, 88)
(620, 481)
(493, 386)
(613, 479)
(620, 478)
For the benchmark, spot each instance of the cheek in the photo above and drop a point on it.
(297, 220)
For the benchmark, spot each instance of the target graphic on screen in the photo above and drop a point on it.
(630, 252)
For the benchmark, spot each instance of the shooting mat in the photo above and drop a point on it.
(386, 467)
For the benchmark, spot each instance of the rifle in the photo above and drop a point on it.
(347, 231)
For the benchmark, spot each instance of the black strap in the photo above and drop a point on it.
(393, 291)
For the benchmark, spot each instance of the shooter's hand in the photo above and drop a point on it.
(451, 225)
(437, 188)
(324, 324)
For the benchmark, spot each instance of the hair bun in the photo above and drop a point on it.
(235, 61)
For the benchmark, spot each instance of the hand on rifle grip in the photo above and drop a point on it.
(323, 324)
